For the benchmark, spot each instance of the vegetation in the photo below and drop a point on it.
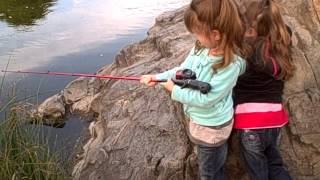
(24, 148)
(24, 152)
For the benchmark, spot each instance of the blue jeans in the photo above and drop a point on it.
(211, 162)
(259, 149)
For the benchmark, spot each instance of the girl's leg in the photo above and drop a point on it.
(252, 148)
(211, 161)
(275, 163)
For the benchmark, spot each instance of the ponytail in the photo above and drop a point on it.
(232, 32)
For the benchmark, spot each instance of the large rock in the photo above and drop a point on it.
(76, 98)
(51, 111)
(139, 133)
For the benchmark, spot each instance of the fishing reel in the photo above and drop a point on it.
(186, 74)
(187, 79)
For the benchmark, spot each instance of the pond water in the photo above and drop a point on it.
(69, 36)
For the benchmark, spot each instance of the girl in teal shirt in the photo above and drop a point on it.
(218, 29)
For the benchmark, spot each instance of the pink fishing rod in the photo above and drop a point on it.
(185, 78)
(130, 78)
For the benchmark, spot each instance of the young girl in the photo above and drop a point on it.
(259, 113)
(217, 26)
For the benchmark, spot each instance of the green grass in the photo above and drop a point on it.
(25, 154)
(24, 148)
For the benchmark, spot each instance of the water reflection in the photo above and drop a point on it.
(74, 26)
(24, 12)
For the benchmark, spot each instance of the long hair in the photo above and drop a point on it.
(265, 17)
(203, 16)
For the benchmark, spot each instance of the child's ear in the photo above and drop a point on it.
(215, 35)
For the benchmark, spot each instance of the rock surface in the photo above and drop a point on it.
(139, 133)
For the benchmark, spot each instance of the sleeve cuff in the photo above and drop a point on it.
(161, 76)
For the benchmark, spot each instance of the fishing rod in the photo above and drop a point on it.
(130, 78)
(184, 78)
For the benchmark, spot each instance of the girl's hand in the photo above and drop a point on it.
(168, 85)
(148, 80)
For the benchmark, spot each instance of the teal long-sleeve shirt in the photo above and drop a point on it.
(216, 107)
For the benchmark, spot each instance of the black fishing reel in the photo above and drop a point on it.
(186, 74)
(187, 79)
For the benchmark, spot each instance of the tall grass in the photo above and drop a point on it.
(25, 153)
(24, 148)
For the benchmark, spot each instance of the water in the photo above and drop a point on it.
(70, 36)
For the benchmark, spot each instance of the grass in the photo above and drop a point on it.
(24, 148)
(25, 153)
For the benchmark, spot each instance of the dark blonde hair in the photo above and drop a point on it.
(265, 17)
(203, 16)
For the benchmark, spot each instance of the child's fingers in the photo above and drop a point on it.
(168, 85)
(143, 80)
(151, 83)
(147, 80)
(164, 84)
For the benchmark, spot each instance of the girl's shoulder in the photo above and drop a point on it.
(241, 63)
(240, 59)
(236, 67)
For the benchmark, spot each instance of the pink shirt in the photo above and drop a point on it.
(260, 115)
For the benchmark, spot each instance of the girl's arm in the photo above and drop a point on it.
(222, 83)
(147, 79)
(262, 64)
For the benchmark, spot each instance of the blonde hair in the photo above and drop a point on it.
(203, 16)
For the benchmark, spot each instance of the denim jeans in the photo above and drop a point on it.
(259, 149)
(211, 161)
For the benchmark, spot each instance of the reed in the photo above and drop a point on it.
(25, 152)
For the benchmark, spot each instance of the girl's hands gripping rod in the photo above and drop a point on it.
(184, 78)
(150, 80)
